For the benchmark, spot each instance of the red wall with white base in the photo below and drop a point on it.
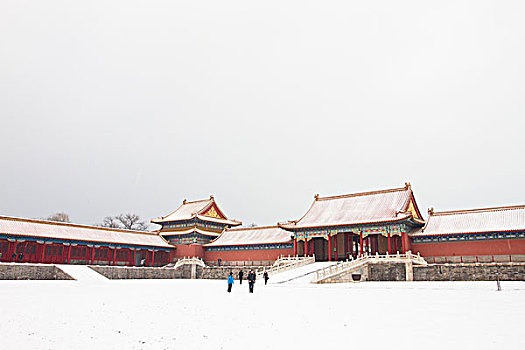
(488, 247)
(247, 255)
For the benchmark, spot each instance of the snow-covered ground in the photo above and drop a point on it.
(199, 314)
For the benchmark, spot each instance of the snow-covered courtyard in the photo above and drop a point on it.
(200, 314)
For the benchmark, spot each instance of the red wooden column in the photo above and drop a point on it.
(92, 254)
(14, 252)
(114, 255)
(335, 248)
(351, 242)
(361, 242)
(134, 256)
(43, 252)
(153, 258)
(344, 246)
(329, 248)
(404, 243)
(68, 252)
(305, 246)
(389, 244)
(295, 247)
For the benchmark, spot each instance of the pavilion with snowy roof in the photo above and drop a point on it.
(338, 227)
(460, 234)
(264, 244)
(196, 222)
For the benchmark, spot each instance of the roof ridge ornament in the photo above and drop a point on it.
(184, 201)
(316, 196)
(430, 211)
(408, 185)
(211, 196)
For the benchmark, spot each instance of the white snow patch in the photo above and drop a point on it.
(200, 314)
(82, 273)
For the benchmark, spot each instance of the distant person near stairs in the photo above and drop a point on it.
(230, 282)
(266, 278)
(251, 281)
(241, 274)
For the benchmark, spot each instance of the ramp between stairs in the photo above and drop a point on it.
(82, 273)
(300, 275)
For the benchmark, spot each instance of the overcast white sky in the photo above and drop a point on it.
(132, 106)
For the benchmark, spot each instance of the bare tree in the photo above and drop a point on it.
(125, 221)
(60, 217)
(110, 221)
(132, 222)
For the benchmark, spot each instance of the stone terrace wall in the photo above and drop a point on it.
(397, 271)
(13, 271)
(470, 272)
(209, 272)
(392, 271)
(387, 271)
(223, 272)
(347, 277)
(121, 272)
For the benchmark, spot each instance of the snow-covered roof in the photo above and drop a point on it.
(360, 208)
(74, 232)
(205, 209)
(254, 235)
(499, 219)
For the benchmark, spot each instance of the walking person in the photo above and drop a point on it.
(230, 282)
(266, 278)
(241, 274)
(251, 281)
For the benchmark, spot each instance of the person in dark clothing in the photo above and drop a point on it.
(241, 274)
(266, 278)
(230, 282)
(251, 281)
(20, 257)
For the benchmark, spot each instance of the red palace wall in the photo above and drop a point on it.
(247, 255)
(34, 252)
(488, 247)
(188, 250)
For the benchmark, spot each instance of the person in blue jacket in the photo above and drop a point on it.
(230, 282)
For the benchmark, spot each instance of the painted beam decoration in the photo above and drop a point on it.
(193, 238)
(468, 237)
(40, 240)
(396, 229)
(251, 247)
(192, 223)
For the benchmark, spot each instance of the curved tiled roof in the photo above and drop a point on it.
(359, 208)
(254, 235)
(74, 232)
(195, 209)
(499, 219)
(189, 231)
